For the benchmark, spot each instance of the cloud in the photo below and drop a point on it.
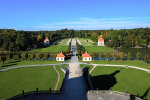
(103, 23)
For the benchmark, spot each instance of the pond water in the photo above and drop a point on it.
(134, 51)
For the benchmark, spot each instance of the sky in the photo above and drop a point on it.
(35, 15)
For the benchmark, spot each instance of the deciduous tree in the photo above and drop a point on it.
(122, 55)
(40, 56)
(138, 55)
(3, 58)
(146, 58)
(129, 56)
(26, 56)
(46, 56)
(107, 56)
(114, 55)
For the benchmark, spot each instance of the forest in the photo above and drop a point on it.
(19, 40)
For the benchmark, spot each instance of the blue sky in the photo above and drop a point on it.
(34, 15)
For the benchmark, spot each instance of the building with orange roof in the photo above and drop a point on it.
(100, 42)
(46, 41)
(60, 57)
(86, 57)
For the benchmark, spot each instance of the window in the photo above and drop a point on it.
(61, 58)
(89, 58)
(85, 58)
(58, 59)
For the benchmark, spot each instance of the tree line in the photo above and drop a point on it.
(121, 55)
(12, 40)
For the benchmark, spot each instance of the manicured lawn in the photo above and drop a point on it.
(56, 48)
(63, 42)
(14, 63)
(58, 67)
(91, 49)
(88, 66)
(124, 62)
(84, 41)
(28, 79)
(120, 79)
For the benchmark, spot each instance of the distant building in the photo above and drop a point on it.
(60, 57)
(100, 42)
(86, 57)
(46, 42)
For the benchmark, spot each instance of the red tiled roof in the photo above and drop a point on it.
(86, 55)
(46, 40)
(60, 55)
(101, 39)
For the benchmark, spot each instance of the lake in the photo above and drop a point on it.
(134, 51)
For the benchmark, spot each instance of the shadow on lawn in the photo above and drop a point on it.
(8, 65)
(145, 94)
(104, 82)
(14, 61)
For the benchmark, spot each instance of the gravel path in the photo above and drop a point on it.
(57, 79)
(68, 41)
(78, 41)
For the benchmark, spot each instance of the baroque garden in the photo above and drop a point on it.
(91, 63)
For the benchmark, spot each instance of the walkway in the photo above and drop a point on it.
(74, 87)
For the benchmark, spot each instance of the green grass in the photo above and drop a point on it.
(84, 43)
(124, 62)
(91, 49)
(14, 63)
(88, 66)
(28, 79)
(57, 49)
(121, 79)
(65, 41)
(58, 67)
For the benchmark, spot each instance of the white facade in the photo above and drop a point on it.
(60, 58)
(87, 59)
(100, 43)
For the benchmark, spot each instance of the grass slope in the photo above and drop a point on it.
(28, 79)
(91, 49)
(51, 49)
(134, 81)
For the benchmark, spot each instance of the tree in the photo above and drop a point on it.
(18, 48)
(122, 55)
(26, 56)
(101, 55)
(10, 55)
(12, 47)
(19, 56)
(46, 56)
(129, 56)
(146, 58)
(138, 55)
(33, 56)
(107, 56)
(40, 56)
(115, 56)
(94, 55)
(3, 58)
